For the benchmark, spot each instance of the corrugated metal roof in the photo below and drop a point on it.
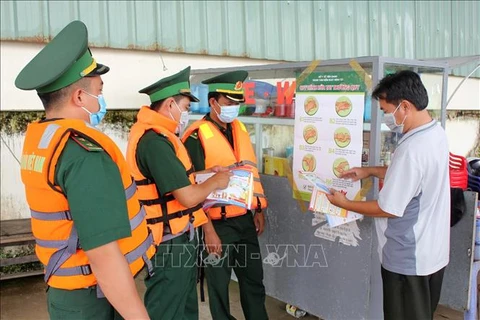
(277, 30)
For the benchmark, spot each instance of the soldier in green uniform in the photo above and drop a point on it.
(225, 138)
(162, 168)
(86, 178)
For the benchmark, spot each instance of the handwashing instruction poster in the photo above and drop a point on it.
(328, 130)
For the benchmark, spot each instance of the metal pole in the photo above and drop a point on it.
(259, 145)
(375, 124)
(443, 111)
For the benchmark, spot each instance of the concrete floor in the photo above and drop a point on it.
(25, 298)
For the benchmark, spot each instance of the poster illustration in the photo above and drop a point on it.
(328, 130)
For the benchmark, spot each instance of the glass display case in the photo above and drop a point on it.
(269, 109)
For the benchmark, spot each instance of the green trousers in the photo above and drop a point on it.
(172, 291)
(240, 244)
(79, 305)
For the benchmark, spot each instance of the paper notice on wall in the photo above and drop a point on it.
(347, 234)
(328, 130)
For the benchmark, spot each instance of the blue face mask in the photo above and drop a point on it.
(227, 113)
(96, 118)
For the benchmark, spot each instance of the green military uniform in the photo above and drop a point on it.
(238, 234)
(85, 173)
(98, 222)
(171, 291)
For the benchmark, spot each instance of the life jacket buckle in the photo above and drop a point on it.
(86, 270)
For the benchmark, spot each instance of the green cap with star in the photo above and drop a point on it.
(63, 61)
(177, 84)
(230, 84)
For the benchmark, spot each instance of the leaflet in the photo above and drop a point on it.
(239, 191)
(319, 201)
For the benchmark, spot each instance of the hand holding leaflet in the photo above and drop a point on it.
(239, 191)
(319, 202)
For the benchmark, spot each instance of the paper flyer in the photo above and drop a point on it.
(239, 191)
(319, 201)
(328, 133)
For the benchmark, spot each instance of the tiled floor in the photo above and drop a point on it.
(23, 299)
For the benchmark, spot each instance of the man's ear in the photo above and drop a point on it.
(77, 97)
(408, 106)
(166, 104)
(211, 101)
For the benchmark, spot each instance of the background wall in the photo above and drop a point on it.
(276, 30)
(128, 36)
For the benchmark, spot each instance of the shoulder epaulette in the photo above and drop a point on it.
(86, 144)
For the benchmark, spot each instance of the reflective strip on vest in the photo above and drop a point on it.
(52, 244)
(207, 132)
(137, 219)
(74, 271)
(51, 216)
(169, 236)
(63, 254)
(130, 191)
(48, 135)
(141, 251)
(259, 195)
(67, 248)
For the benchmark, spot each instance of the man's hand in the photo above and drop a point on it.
(355, 174)
(221, 179)
(259, 220)
(337, 198)
(213, 243)
(219, 169)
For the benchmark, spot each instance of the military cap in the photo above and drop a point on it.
(173, 85)
(63, 61)
(230, 84)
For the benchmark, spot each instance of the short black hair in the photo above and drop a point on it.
(51, 99)
(402, 85)
(157, 104)
(215, 95)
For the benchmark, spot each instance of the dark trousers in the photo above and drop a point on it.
(172, 291)
(81, 304)
(240, 245)
(410, 297)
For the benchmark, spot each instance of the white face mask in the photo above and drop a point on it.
(227, 113)
(183, 122)
(389, 119)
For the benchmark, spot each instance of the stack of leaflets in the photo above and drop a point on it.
(320, 203)
(239, 191)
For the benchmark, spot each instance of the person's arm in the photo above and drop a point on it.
(115, 278)
(356, 174)
(193, 194)
(212, 240)
(367, 208)
(157, 159)
(92, 184)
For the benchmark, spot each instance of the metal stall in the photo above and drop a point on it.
(336, 276)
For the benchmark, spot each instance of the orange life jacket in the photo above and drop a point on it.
(162, 208)
(57, 243)
(218, 151)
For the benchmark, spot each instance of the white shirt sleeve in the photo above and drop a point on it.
(402, 183)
